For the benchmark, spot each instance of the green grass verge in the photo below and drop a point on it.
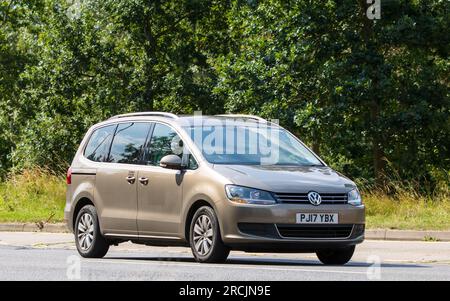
(35, 195)
(407, 211)
(38, 195)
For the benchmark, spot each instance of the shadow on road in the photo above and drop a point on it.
(270, 262)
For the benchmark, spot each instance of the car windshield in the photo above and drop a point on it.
(250, 144)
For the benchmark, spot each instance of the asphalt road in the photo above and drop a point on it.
(45, 256)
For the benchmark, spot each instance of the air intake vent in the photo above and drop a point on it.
(316, 231)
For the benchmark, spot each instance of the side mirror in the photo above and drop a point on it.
(170, 162)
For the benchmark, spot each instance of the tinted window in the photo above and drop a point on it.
(98, 146)
(128, 142)
(165, 141)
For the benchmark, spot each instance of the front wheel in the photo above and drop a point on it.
(336, 256)
(88, 238)
(205, 239)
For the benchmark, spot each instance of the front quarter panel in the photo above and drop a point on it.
(203, 184)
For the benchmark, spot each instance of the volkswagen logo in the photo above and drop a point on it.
(314, 198)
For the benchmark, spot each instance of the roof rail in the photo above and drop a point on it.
(242, 116)
(160, 114)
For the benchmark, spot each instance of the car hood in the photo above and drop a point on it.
(291, 179)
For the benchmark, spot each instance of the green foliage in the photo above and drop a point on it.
(370, 96)
(362, 93)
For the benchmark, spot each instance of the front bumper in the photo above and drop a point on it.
(267, 220)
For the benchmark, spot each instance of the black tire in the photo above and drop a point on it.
(99, 245)
(336, 256)
(217, 252)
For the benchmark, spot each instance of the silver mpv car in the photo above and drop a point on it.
(214, 183)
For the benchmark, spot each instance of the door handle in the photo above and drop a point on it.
(143, 180)
(130, 179)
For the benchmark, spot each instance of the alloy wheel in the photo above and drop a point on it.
(203, 235)
(85, 231)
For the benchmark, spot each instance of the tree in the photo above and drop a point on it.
(371, 96)
(17, 28)
(347, 80)
(110, 57)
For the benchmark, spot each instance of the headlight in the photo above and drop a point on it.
(245, 195)
(354, 198)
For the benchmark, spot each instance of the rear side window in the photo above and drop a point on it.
(128, 142)
(98, 146)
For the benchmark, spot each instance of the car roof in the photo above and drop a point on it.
(192, 120)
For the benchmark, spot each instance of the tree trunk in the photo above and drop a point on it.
(377, 147)
(316, 144)
(150, 50)
(375, 103)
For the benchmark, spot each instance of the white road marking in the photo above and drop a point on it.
(121, 261)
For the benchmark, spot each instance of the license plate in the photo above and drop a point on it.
(317, 218)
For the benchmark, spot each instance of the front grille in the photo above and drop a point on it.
(316, 231)
(302, 198)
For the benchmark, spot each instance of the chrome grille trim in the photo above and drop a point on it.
(302, 198)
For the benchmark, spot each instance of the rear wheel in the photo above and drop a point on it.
(205, 239)
(338, 256)
(89, 241)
